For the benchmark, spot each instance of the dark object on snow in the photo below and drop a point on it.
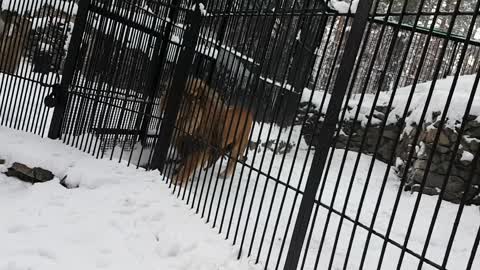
(25, 173)
(2, 161)
(64, 183)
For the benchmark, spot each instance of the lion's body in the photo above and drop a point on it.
(209, 130)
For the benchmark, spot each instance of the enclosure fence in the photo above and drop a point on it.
(364, 147)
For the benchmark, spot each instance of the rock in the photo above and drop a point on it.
(433, 179)
(372, 140)
(25, 173)
(453, 136)
(455, 184)
(42, 175)
(474, 132)
(420, 164)
(435, 115)
(426, 190)
(442, 167)
(452, 197)
(253, 145)
(340, 145)
(443, 139)
(382, 109)
(471, 144)
(2, 161)
(379, 115)
(442, 149)
(474, 146)
(476, 179)
(437, 158)
(391, 133)
(472, 118)
(475, 200)
(429, 135)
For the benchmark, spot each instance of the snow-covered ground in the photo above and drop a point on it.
(462, 90)
(119, 218)
(276, 200)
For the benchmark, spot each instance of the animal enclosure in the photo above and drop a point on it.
(361, 119)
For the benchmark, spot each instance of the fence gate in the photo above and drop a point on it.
(122, 57)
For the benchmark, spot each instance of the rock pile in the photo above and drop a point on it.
(461, 170)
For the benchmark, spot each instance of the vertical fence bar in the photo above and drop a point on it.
(61, 94)
(328, 128)
(160, 53)
(185, 60)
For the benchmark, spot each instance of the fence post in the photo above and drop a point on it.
(160, 54)
(327, 130)
(61, 93)
(179, 82)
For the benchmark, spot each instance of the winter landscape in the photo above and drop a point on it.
(88, 107)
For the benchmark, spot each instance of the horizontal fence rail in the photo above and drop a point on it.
(311, 134)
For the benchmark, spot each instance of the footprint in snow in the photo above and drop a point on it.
(157, 217)
(17, 229)
(102, 263)
(173, 250)
(47, 254)
(105, 251)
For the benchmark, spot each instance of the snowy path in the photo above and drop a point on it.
(119, 218)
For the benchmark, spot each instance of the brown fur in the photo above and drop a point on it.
(211, 130)
(13, 41)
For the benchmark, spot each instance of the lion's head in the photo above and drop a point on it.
(198, 105)
(198, 101)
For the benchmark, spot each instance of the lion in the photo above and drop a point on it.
(13, 40)
(210, 129)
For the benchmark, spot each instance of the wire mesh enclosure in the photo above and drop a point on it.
(311, 134)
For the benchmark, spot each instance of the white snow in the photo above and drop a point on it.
(469, 139)
(441, 91)
(207, 46)
(284, 85)
(299, 35)
(119, 218)
(116, 216)
(203, 10)
(467, 156)
(344, 6)
(463, 242)
(45, 47)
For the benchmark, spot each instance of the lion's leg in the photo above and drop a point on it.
(240, 145)
(235, 153)
(189, 164)
(243, 147)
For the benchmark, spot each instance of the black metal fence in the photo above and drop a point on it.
(351, 110)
